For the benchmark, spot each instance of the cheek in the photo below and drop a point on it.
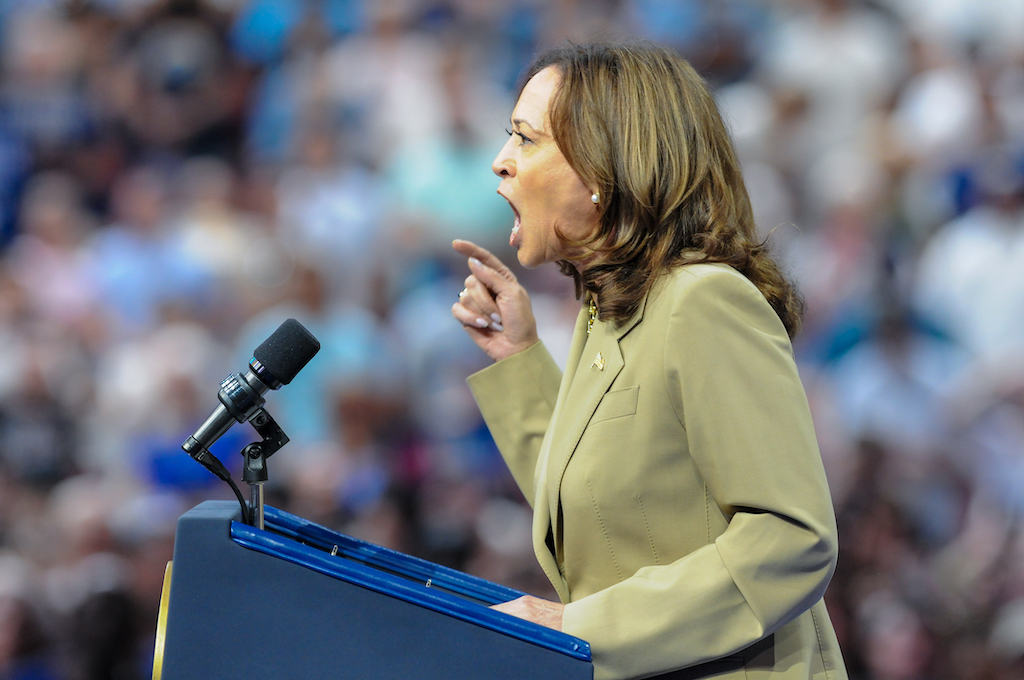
(571, 195)
(580, 217)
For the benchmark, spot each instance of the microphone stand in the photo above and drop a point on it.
(254, 470)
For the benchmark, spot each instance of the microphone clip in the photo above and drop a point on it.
(256, 454)
(254, 470)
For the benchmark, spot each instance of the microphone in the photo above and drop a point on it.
(274, 363)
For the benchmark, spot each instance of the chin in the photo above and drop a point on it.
(526, 261)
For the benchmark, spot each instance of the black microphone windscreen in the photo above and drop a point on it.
(286, 351)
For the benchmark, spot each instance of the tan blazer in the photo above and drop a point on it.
(680, 505)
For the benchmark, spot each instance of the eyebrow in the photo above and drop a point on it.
(520, 121)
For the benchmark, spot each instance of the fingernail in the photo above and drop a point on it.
(496, 318)
(497, 326)
(475, 261)
(482, 323)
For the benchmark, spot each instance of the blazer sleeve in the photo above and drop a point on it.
(517, 398)
(734, 387)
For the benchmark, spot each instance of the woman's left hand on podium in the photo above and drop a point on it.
(544, 612)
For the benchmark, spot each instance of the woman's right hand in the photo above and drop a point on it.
(494, 309)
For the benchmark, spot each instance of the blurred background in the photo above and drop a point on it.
(177, 177)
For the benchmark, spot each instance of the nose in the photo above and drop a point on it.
(503, 164)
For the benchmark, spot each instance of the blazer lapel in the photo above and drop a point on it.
(542, 518)
(594, 363)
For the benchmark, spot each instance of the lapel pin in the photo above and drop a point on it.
(598, 362)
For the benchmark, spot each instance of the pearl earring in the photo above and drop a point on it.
(595, 198)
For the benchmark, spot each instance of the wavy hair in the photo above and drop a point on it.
(637, 122)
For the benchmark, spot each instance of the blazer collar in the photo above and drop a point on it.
(580, 337)
(620, 331)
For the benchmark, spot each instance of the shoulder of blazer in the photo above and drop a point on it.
(683, 279)
(713, 286)
(674, 284)
(686, 274)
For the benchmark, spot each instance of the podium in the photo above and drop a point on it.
(298, 600)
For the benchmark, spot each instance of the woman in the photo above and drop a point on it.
(680, 505)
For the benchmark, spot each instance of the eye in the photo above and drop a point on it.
(521, 136)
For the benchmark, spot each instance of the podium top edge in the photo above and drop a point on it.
(387, 571)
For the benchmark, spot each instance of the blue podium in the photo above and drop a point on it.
(297, 600)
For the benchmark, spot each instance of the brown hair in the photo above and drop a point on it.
(637, 122)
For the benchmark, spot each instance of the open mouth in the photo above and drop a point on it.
(513, 238)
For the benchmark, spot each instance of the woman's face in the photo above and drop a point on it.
(537, 181)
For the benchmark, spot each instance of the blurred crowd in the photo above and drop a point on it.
(177, 177)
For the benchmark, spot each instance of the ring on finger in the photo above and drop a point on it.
(463, 294)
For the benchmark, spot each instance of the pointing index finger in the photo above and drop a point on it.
(470, 249)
